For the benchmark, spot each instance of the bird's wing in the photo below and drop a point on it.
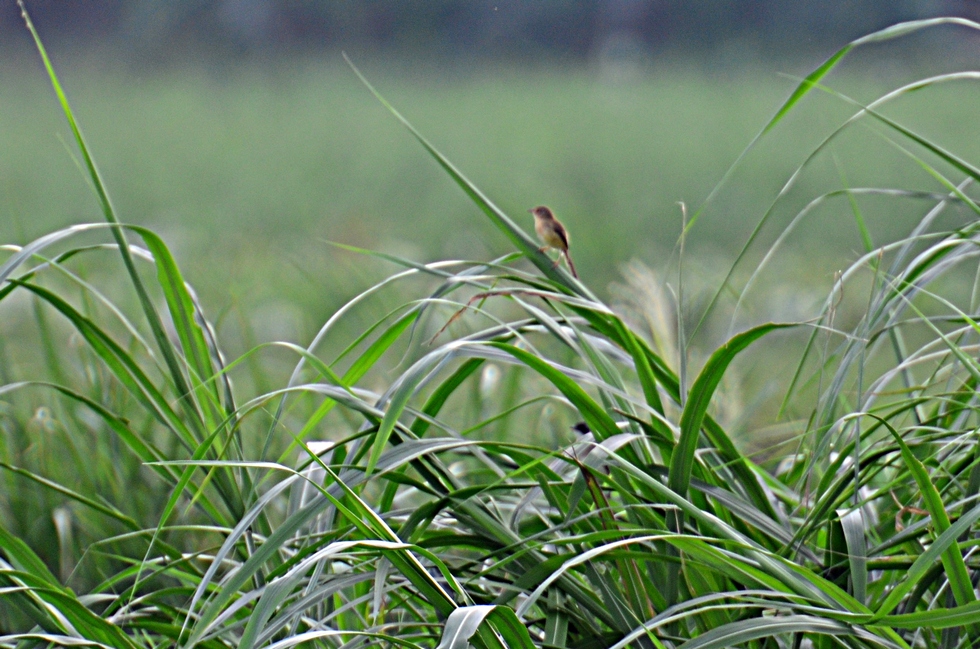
(560, 231)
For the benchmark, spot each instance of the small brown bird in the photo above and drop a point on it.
(552, 234)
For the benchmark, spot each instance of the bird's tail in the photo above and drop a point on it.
(571, 266)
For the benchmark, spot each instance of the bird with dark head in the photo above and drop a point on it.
(552, 234)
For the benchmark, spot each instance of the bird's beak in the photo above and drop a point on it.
(531, 211)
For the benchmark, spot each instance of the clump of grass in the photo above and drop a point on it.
(347, 508)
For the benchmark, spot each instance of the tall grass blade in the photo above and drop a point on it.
(699, 398)
(153, 318)
(518, 237)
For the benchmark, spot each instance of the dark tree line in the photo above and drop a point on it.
(517, 28)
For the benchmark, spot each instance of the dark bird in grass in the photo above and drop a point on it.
(552, 234)
(581, 428)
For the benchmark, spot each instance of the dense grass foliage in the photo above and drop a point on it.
(502, 458)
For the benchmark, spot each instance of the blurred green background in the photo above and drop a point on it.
(244, 139)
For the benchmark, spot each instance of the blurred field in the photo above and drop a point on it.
(247, 171)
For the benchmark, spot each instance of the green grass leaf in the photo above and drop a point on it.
(698, 399)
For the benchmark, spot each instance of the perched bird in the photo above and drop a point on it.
(552, 234)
